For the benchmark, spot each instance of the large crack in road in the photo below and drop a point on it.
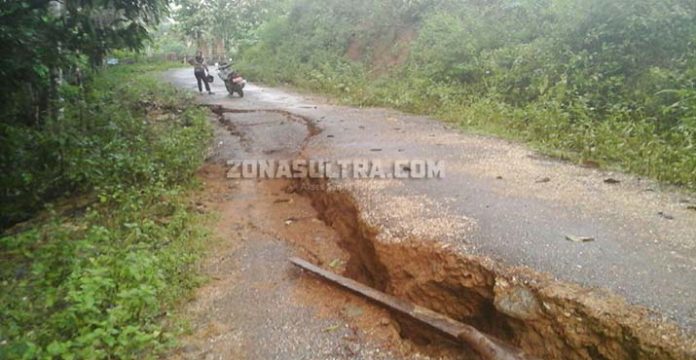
(528, 309)
(545, 318)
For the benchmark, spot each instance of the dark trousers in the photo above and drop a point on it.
(200, 76)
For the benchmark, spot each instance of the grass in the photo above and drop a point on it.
(617, 142)
(100, 278)
(589, 80)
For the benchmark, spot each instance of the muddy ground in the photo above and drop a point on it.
(488, 245)
(257, 306)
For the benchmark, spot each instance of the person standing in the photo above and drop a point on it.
(200, 70)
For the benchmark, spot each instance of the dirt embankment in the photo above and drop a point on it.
(531, 311)
(528, 310)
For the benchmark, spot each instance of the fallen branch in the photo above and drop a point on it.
(488, 347)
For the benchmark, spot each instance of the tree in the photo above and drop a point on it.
(41, 38)
(217, 27)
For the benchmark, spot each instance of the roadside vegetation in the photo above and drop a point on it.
(598, 82)
(96, 274)
(99, 235)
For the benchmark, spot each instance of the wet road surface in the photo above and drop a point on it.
(498, 199)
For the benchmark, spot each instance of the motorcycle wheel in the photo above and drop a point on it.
(241, 92)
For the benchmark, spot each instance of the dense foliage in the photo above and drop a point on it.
(217, 27)
(106, 158)
(49, 49)
(43, 42)
(94, 278)
(612, 82)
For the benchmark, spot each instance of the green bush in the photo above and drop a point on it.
(97, 281)
(608, 81)
(92, 143)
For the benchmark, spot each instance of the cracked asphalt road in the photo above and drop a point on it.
(504, 201)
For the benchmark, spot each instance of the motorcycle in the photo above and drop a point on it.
(234, 82)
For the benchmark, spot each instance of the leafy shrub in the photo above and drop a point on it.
(610, 81)
(97, 282)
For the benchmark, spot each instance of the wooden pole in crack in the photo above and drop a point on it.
(488, 347)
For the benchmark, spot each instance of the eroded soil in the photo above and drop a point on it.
(258, 306)
(255, 304)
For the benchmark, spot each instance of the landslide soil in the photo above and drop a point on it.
(533, 311)
(255, 305)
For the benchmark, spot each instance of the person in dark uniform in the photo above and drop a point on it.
(200, 69)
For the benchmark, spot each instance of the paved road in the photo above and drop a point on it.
(504, 201)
